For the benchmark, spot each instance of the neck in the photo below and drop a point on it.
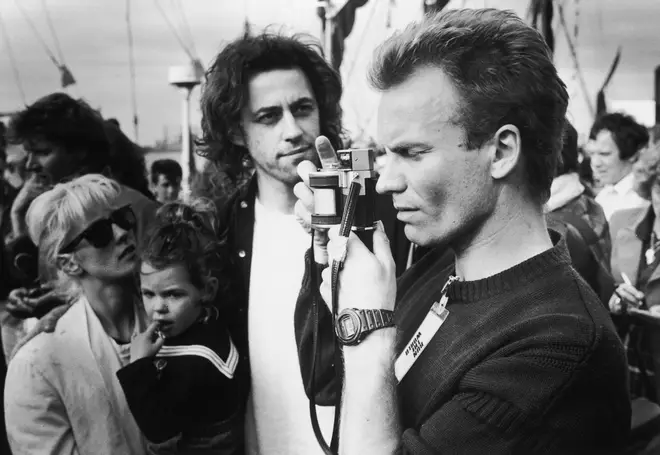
(275, 194)
(497, 245)
(624, 173)
(113, 305)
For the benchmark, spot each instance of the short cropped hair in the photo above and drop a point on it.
(55, 216)
(225, 93)
(503, 72)
(629, 136)
(169, 168)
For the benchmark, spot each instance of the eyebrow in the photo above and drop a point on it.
(278, 108)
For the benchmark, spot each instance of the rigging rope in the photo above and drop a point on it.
(188, 30)
(12, 60)
(174, 32)
(131, 66)
(50, 54)
(60, 55)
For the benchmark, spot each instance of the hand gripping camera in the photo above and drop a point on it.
(332, 190)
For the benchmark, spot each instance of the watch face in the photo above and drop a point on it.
(348, 326)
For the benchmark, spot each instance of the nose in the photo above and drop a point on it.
(159, 305)
(391, 180)
(122, 236)
(596, 161)
(292, 131)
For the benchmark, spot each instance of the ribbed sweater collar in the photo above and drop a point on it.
(517, 277)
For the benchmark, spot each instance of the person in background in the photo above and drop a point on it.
(166, 178)
(15, 166)
(572, 203)
(7, 191)
(636, 267)
(614, 143)
(61, 393)
(66, 138)
(186, 386)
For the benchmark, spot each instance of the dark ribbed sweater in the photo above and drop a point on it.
(527, 362)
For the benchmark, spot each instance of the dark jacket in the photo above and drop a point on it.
(238, 215)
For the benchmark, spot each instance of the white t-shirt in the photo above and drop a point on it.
(620, 196)
(278, 419)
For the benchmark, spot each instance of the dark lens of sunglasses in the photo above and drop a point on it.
(99, 234)
(124, 218)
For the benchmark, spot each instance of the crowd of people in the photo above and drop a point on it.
(494, 313)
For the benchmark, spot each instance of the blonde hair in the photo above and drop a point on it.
(56, 217)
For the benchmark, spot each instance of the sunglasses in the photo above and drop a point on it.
(99, 234)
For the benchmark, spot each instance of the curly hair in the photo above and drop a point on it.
(77, 128)
(225, 93)
(503, 71)
(189, 234)
(646, 169)
(629, 136)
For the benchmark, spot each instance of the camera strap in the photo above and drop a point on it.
(344, 230)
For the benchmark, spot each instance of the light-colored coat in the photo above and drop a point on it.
(62, 395)
(627, 251)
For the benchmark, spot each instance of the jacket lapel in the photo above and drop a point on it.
(626, 255)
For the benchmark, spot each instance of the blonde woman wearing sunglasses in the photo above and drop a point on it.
(61, 393)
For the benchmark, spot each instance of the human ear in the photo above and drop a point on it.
(210, 289)
(506, 152)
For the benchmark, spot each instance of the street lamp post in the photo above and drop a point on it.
(186, 78)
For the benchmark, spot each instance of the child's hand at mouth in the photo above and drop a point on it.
(147, 343)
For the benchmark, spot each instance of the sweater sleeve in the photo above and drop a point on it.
(149, 403)
(310, 312)
(522, 402)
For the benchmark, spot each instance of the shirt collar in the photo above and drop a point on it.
(625, 185)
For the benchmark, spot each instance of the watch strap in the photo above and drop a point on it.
(369, 321)
(375, 319)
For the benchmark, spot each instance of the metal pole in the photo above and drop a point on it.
(327, 46)
(185, 145)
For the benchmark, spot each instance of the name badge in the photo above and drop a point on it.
(425, 333)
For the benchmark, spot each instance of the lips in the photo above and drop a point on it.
(129, 250)
(298, 150)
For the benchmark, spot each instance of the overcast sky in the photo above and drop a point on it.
(93, 38)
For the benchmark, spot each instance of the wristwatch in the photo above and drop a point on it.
(353, 325)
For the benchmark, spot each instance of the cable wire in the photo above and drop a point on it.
(60, 54)
(174, 32)
(131, 66)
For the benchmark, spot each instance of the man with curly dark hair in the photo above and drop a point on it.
(265, 101)
(614, 143)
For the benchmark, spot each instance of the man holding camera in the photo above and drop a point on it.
(266, 99)
(508, 350)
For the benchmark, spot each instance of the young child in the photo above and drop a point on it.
(185, 385)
